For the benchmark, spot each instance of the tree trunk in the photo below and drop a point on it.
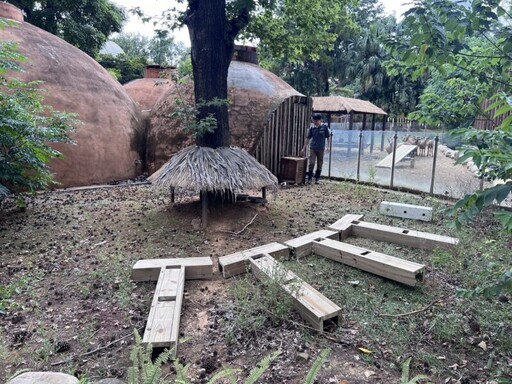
(211, 50)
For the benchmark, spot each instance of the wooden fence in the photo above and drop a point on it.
(491, 122)
(284, 132)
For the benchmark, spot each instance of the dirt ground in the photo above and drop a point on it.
(70, 306)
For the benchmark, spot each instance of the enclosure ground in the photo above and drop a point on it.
(70, 305)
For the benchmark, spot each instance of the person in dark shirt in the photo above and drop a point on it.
(317, 138)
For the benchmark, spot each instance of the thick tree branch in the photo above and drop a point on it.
(238, 23)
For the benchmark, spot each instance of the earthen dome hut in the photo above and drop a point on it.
(267, 117)
(109, 143)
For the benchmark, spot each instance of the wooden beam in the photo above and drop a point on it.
(236, 263)
(196, 268)
(393, 268)
(407, 237)
(303, 245)
(162, 327)
(344, 225)
(312, 306)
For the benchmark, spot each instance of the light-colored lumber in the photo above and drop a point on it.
(303, 245)
(158, 331)
(236, 263)
(197, 268)
(312, 306)
(406, 211)
(162, 327)
(344, 225)
(169, 287)
(393, 268)
(401, 152)
(407, 237)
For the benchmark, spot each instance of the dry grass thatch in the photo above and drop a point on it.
(214, 170)
(339, 104)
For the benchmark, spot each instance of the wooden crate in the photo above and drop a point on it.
(293, 169)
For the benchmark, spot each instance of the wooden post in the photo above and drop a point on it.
(172, 194)
(372, 141)
(263, 193)
(204, 209)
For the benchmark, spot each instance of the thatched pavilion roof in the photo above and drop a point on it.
(339, 104)
(214, 170)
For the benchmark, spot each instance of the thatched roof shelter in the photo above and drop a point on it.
(109, 142)
(338, 105)
(344, 105)
(214, 170)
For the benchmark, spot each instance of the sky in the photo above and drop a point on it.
(156, 7)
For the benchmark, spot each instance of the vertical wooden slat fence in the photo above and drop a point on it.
(284, 133)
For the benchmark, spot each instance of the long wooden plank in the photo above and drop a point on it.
(158, 332)
(197, 268)
(303, 245)
(236, 263)
(312, 306)
(344, 225)
(162, 327)
(407, 237)
(401, 152)
(393, 268)
(175, 328)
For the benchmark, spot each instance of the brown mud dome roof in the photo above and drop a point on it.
(109, 142)
(254, 93)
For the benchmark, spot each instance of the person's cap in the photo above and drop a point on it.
(317, 116)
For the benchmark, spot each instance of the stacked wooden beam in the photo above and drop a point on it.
(162, 327)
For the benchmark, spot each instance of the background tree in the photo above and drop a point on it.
(133, 44)
(438, 34)
(164, 50)
(86, 24)
(124, 68)
(26, 128)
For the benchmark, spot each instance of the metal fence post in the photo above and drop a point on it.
(359, 154)
(395, 139)
(434, 162)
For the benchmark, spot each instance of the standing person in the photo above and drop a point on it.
(318, 135)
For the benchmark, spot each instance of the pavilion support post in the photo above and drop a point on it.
(361, 147)
(372, 140)
(350, 127)
(204, 209)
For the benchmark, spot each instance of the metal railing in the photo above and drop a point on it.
(379, 157)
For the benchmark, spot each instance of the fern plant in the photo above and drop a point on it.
(143, 369)
(261, 368)
(317, 365)
(405, 374)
